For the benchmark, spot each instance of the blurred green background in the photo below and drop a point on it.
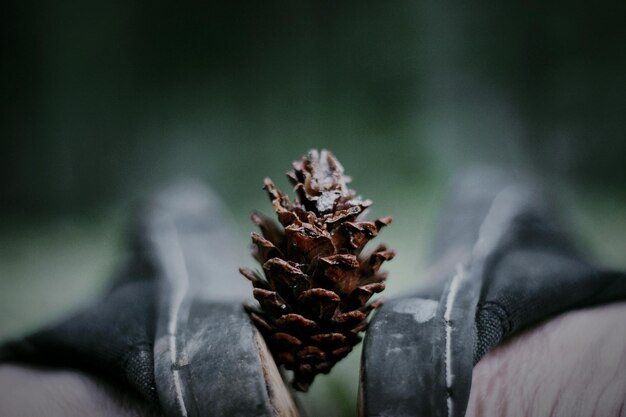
(102, 101)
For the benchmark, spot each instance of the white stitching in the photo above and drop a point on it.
(180, 286)
(501, 211)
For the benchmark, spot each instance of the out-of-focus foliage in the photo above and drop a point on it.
(101, 99)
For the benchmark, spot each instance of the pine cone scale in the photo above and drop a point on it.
(295, 322)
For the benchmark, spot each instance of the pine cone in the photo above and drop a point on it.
(316, 285)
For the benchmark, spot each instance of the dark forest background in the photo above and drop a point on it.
(101, 98)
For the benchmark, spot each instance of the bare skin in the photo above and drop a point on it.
(573, 365)
(33, 392)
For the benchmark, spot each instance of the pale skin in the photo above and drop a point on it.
(572, 365)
